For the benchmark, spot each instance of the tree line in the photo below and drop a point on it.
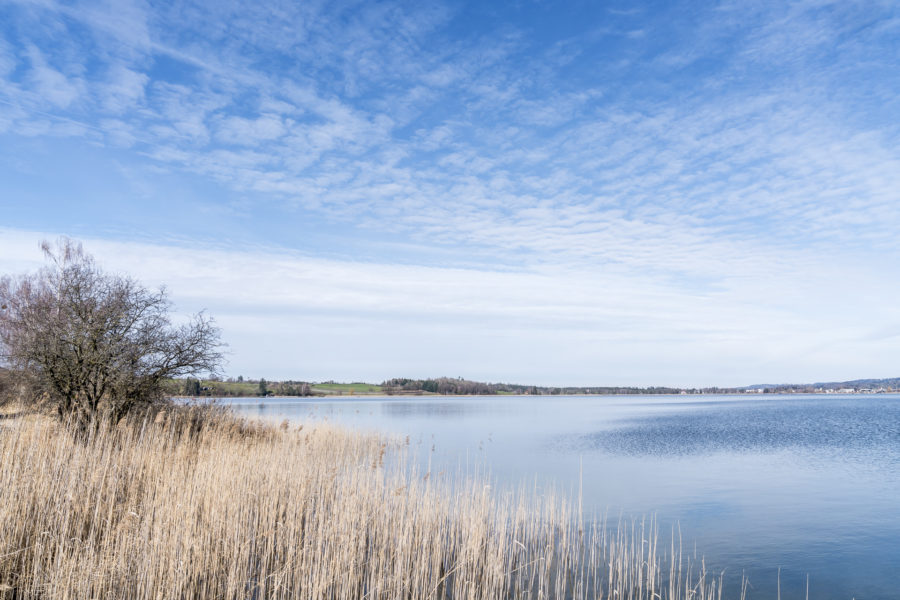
(231, 388)
(459, 386)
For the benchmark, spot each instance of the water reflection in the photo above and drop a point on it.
(413, 408)
(755, 427)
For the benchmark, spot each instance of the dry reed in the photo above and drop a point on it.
(192, 505)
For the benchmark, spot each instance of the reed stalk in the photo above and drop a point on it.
(187, 504)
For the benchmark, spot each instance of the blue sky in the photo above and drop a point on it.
(672, 193)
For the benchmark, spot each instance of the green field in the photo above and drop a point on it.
(347, 388)
(233, 388)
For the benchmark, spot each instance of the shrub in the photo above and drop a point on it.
(96, 345)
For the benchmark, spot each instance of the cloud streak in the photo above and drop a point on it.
(731, 161)
(612, 330)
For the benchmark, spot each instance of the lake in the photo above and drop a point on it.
(804, 485)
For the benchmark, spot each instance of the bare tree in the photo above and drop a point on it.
(96, 345)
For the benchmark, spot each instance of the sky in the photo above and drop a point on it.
(550, 193)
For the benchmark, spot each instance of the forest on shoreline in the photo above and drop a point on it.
(447, 386)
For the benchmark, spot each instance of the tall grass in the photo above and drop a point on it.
(197, 505)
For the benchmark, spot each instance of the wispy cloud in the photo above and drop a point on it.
(612, 328)
(685, 159)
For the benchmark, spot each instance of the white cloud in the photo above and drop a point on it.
(249, 132)
(725, 155)
(124, 89)
(51, 85)
(738, 193)
(119, 133)
(327, 317)
(7, 59)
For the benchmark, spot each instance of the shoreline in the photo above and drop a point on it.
(434, 395)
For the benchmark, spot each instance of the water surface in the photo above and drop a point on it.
(808, 485)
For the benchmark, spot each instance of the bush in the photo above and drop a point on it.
(92, 345)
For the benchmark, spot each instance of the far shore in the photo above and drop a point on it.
(320, 396)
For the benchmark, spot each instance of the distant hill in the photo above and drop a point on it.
(891, 383)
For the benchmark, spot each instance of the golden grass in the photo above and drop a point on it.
(225, 509)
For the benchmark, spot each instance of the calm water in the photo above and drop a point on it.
(807, 484)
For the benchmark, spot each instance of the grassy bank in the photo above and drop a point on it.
(192, 505)
(347, 388)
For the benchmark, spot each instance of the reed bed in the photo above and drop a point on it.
(193, 504)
